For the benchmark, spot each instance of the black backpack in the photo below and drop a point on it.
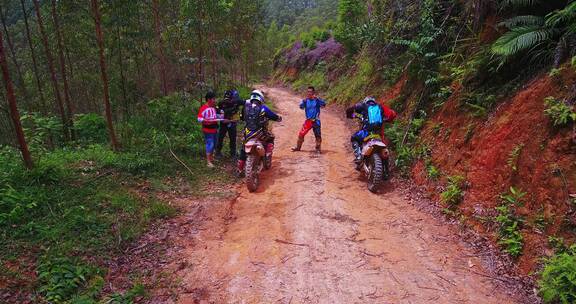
(253, 116)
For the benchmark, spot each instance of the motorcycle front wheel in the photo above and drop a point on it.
(376, 172)
(252, 178)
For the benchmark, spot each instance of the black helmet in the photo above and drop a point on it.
(210, 95)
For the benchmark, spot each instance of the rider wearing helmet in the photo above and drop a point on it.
(229, 108)
(373, 115)
(256, 115)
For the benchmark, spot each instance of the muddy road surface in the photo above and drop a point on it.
(313, 233)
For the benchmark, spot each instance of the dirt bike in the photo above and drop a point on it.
(375, 161)
(258, 158)
(375, 158)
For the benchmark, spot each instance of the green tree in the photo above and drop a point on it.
(351, 15)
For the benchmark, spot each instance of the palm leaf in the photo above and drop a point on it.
(522, 21)
(521, 38)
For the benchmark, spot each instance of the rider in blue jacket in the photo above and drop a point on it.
(361, 109)
(311, 106)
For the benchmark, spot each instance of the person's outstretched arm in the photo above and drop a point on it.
(271, 115)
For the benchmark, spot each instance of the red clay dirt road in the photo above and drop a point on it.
(313, 233)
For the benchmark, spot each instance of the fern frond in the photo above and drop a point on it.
(521, 38)
(566, 16)
(518, 3)
(522, 21)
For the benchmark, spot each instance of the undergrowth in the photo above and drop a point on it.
(453, 194)
(558, 278)
(509, 235)
(80, 205)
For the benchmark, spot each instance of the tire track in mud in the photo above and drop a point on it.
(313, 233)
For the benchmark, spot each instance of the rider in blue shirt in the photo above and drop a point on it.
(311, 106)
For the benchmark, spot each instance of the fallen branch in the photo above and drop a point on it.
(290, 243)
(487, 276)
(176, 157)
(374, 255)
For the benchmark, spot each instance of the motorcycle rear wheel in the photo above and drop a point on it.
(376, 172)
(252, 178)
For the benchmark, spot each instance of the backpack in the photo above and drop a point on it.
(374, 121)
(253, 117)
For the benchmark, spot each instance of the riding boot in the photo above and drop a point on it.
(299, 143)
(318, 145)
(240, 169)
(210, 160)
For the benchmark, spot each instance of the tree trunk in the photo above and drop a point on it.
(100, 40)
(214, 63)
(13, 55)
(161, 57)
(122, 77)
(51, 69)
(34, 62)
(201, 57)
(13, 108)
(69, 108)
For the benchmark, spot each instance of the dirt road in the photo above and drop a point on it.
(313, 233)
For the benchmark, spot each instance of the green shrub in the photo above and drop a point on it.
(513, 197)
(559, 112)
(305, 79)
(453, 194)
(61, 278)
(42, 132)
(509, 236)
(514, 156)
(558, 279)
(308, 40)
(129, 297)
(432, 171)
(91, 128)
(319, 34)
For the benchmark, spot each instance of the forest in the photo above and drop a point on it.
(98, 132)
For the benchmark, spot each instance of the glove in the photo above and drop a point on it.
(279, 119)
(350, 113)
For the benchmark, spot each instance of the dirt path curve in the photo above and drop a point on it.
(314, 234)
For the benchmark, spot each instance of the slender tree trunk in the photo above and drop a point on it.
(51, 69)
(161, 57)
(14, 109)
(100, 40)
(69, 107)
(13, 55)
(201, 56)
(214, 63)
(34, 62)
(122, 77)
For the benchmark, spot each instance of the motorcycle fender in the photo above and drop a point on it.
(254, 146)
(367, 150)
(248, 147)
(371, 146)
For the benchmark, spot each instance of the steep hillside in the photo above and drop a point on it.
(488, 134)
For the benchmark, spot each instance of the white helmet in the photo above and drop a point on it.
(369, 99)
(257, 95)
